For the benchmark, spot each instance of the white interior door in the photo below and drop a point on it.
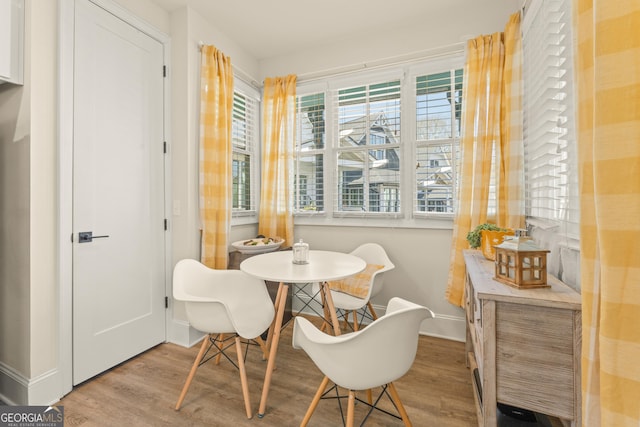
(118, 192)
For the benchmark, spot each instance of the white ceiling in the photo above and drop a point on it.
(270, 28)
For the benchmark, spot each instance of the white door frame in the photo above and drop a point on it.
(65, 173)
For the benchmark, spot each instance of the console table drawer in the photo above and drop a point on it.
(535, 358)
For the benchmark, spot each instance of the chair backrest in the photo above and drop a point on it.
(222, 301)
(373, 253)
(378, 354)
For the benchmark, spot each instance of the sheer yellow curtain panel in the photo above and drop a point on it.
(481, 112)
(608, 77)
(216, 103)
(492, 112)
(278, 139)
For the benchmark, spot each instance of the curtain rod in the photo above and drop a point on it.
(433, 53)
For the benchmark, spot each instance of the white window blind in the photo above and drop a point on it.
(438, 117)
(310, 153)
(551, 176)
(367, 148)
(244, 135)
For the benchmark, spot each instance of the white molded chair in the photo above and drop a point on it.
(371, 253)
(221, 302)
(389, 343)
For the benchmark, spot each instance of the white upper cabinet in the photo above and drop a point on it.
(11, 41)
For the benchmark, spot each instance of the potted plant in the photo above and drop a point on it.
(492, 235)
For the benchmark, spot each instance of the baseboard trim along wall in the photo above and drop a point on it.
(181, 333)
(441, 326)
(16, 389)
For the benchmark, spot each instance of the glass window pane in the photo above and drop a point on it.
(308, 191)
(435, 179)
(239, 129)
(438, 106)
(311, 122)
(241, 173)
(351, 181)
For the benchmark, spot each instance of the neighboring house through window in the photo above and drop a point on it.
(380, 145)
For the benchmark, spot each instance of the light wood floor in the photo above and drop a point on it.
(143, 391)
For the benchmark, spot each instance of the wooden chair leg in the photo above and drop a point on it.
(192, 372)
(396, 399)
(355, 320)
(351, 408)
(371, 310)
(263, 347)
(243, 378)
(314, 402)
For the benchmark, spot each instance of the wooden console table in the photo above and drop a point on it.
(523, 345)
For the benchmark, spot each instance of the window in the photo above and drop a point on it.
(368, 147)
(244, 136)
(361, 136)
(438, 117)
(551, 177)
(309, 158)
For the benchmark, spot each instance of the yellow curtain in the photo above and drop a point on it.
(278, 142)
(216, 103)
(608, 77)
(491, 110)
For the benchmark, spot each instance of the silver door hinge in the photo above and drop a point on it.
(164, 147)
(166, 224)
(166, 302)
(164, 71)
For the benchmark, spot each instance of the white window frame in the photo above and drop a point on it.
(310, 90)
(407, 73)
(435, 67)
(250, 216)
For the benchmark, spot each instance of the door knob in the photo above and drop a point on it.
(87, 236)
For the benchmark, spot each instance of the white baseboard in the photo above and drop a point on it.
(441, 326)
(16, 389)
(181, 333)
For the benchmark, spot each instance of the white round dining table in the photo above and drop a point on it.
(323, 266)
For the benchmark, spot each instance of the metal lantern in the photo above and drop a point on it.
(520, 263)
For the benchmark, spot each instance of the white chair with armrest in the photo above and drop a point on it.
(219, 303)
(358, 290)
(389, 344)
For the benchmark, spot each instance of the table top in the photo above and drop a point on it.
(482, 272)
(322, 266)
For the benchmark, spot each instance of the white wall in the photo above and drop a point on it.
(421, 259)
(28, 262)
(437, 33)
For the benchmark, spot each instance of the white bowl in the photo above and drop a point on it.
(246, 246)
